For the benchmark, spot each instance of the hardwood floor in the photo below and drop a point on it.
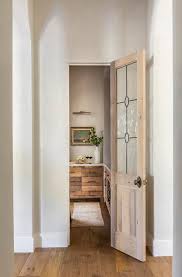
(89, 256)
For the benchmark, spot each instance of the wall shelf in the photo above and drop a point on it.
(82, 113)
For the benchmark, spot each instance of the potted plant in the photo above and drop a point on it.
(95, 140)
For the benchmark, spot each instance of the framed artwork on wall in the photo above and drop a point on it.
(80, 135)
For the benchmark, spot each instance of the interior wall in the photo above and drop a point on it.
(6, 159)
(107, 119)
(72, 32)
(87, 93)
(160, 135)
(22, 126)
(177, 23)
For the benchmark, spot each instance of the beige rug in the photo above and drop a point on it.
(86, 214)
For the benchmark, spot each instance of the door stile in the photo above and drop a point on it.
(113, 154)
(141, 233)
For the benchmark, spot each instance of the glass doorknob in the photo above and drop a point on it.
(138, 182)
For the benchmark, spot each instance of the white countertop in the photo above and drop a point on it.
(87, 164)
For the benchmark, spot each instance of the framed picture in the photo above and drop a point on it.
(80, 135)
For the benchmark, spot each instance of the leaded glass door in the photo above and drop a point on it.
(128, 117)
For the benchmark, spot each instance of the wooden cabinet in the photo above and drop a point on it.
(95, 171)
(75, 171)
(86, 182)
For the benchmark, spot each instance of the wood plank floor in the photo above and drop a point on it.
(89, 256)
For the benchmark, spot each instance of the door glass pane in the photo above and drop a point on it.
(121, 84)
(132, 118)
(121, 120)
(121, 156)
(127, 119)
(132, 156)
(132, 81)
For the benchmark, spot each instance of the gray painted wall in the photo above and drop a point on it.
(90, 91)
(6, 166)
(107, 116)
(86, 94)
(177, 23)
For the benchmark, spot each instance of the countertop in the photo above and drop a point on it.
(89, 164)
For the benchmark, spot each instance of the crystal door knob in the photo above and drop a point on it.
(138, 182)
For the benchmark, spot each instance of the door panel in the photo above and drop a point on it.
(121, 156)
(132, 157)
(128, 136)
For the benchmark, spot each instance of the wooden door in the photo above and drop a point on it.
(128, 155)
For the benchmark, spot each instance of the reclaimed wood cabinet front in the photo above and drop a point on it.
(86, 182)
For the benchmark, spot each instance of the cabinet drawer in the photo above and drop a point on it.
(95, 193)
(92, 188)
(75, 184)
(75, 181)
(92, 181)
(75, 194)
(75, 171)
(96, 171)
(75, 188)
(85, 194)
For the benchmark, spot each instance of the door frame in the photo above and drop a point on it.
(124, 59)
(106, 64)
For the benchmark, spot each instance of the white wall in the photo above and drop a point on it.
(6, 166)
(107, 120)
(160, 101)
(22, 126)
(177, 23)
(69, 32)
(87, 93)
(99, 32)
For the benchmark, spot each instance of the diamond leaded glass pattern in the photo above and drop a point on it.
(127, 118)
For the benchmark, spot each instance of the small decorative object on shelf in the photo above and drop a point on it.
(95, 140)
(89, 158)
(81, 159)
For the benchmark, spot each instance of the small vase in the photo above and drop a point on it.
(97, 155)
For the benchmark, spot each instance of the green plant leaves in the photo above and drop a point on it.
(94, 139)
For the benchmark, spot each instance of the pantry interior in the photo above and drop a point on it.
(90, 176)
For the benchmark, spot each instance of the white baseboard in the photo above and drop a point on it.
(150, 242)
(47, 240)
(23, 244)
(37, 241)
(159, 247)
(27, 244)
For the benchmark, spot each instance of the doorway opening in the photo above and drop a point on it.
(116, 116)
(90, 153)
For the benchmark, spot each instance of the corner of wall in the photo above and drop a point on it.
(27, 244)
(159, 248)
(48, 240)
(23, 244)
